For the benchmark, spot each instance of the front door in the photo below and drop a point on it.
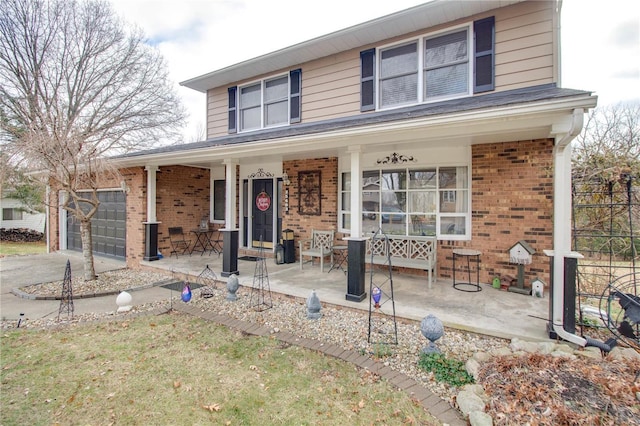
(263, 205)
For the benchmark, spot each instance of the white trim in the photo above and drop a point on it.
(523, 119)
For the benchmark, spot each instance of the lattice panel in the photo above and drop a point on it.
(398, 248)
(378, 247)
(323, 240)
(421, 249)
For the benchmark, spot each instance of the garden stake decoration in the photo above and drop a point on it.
(432, 329)
(261, 291)
(383, 328)
(66, 299)
(232, 287)
(208, 280)
(186, 292)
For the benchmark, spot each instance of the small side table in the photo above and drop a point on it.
(469, 285)
(340, 254)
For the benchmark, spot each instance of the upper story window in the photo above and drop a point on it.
(453, 64)
(268, 103)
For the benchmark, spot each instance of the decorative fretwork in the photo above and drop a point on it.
(396, 158)
(260, 174)
(309, 193)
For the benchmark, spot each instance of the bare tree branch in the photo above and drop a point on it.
(76, 85)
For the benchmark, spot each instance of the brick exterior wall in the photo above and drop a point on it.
(303, 224)
(512, 200)
(182, 195)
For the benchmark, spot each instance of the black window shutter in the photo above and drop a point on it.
(233, 128)
(484, 63)
(295, 98)
(367, 80)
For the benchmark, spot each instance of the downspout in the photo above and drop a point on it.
(562, 217)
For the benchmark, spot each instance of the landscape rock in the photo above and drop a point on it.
(468, 401)
(480, 418)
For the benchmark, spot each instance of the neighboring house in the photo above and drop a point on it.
(16, 215)
(450, 115)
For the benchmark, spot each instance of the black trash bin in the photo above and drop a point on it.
(289, 247)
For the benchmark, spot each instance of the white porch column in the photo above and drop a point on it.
(151, 193)
(356, 191)
(231, 194)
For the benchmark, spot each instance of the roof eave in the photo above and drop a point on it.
(300, 143)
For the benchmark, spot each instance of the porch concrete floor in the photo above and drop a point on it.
(490, 311)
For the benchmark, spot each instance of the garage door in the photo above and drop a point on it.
(108, 226)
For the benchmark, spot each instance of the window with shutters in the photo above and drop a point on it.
(267, 103)
(446, 65)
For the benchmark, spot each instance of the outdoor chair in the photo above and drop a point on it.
(178, 241)
(320, 245)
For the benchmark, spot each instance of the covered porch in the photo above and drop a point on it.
(490, 311)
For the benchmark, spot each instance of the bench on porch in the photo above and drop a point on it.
(415, 252)
(319, 245)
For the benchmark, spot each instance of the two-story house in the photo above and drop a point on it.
(447, 120)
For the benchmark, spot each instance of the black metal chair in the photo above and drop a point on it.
(178, 241)
(216, 242)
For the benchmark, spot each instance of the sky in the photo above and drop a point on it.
(600, 39)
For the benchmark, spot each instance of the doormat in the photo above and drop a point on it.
(179, 285)
(249, 258)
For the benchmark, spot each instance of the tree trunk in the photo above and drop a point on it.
(87, 250)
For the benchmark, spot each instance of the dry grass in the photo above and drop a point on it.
(9, 248)
(175, 369)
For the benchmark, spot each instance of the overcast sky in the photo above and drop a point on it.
(600, 39)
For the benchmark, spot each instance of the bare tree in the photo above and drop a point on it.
(77, 85)
(606, 175)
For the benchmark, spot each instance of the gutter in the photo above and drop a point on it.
(562, 216)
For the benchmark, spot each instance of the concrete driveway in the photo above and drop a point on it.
(20, 271)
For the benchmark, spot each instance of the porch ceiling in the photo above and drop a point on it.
(489, 125)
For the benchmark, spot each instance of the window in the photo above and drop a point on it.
(430, 68)
(399, 75)
(219, 200)
(268, 103)
(446, 65)
(432, 201)
(345, 196)
(11, 214)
